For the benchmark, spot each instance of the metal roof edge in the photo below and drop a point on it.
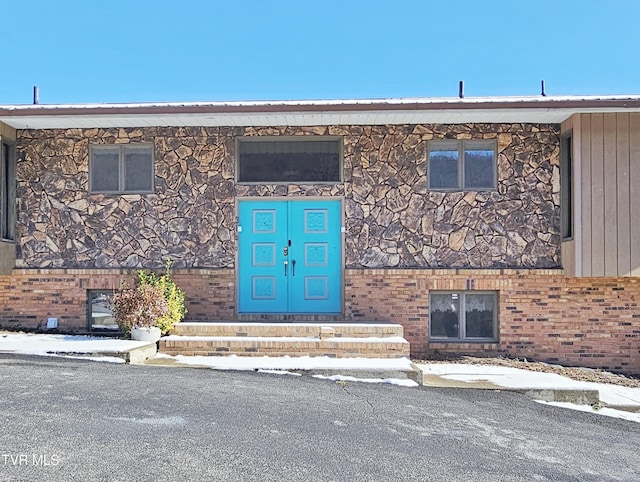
(580, 103)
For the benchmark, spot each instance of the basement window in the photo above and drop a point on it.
(468, 165)
(463, 316)
(121, 169)
(99, 313)
(289, 160)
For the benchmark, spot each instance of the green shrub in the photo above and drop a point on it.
(139, 307)
(173, 295)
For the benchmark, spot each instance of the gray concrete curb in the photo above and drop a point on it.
(138, 355)
(133, 356)
(357, 373)
(577, 396)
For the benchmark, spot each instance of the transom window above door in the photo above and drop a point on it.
(289, 160)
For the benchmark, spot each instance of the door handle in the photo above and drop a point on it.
(293, 267)
(285, 266)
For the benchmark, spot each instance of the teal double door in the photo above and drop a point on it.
(290, 256)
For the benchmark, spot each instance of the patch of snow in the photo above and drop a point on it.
(283, 365)
(388, 381)
(234, 362)
(503, 376)
(237, 338)
(280, 372)
(104, 359)
(172, 420)
(43, 344)
(609, 412)
(337, 339)
(510, 377)
(368, 339)
(164, 355)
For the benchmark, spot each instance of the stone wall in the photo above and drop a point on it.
(189, 219)
(392, 219)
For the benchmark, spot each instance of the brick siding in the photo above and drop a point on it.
(29, 296)
(591, 322)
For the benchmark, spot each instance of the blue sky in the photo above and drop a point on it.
(198, 50)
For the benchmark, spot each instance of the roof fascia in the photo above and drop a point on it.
(394, 105)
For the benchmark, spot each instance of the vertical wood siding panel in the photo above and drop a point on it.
(622, 185)
(9, 133)
(567, 251)
(634, 191)
(597, 195)
(585, 154)
(609, 182)
(576, 121)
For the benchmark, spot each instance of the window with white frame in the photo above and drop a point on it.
(463, 316)
(124, 168)
(7, 191)
(456, 165)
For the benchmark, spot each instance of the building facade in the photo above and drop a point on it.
(496, 226)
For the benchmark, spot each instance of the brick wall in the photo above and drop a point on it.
(28, 297)
(591, 322)
(210, 294)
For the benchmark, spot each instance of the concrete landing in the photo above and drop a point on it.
(77, 346)
(578, 396)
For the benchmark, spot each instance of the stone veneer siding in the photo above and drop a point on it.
(593, 322)
(391, 217)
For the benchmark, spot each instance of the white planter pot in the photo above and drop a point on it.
(151, 333)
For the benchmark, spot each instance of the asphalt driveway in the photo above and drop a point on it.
(67, 419)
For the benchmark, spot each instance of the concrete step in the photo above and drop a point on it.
(252, 329)
(387, 347)
(343, 340)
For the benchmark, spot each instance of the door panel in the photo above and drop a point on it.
(314, 227)
(264, 288)
(290, 257)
